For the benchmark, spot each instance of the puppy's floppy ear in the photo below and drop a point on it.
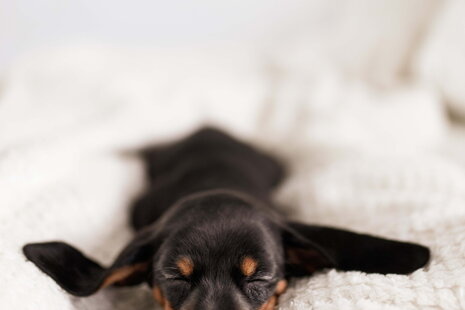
(81, 276)
(309, 248)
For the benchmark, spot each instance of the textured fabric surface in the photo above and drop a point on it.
(385, 162)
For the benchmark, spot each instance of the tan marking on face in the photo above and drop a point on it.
(248, 266)
(281, 287)
(167, 306)
(269, 305)
(158, 295)
(186, 266)
(123, 273)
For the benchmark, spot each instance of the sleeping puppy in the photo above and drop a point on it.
(209, 238)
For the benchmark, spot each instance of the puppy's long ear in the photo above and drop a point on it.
(81, 276)
(309, 248)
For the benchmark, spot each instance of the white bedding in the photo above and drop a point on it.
(380, 161)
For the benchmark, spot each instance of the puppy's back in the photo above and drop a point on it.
(208, 159)
(207, 143)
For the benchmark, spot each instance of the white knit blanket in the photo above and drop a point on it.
(375, 161)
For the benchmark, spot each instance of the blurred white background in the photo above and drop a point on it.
(357, 33)
(29, 24)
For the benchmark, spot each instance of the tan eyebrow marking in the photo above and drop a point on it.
(248, 266)
(185, 265)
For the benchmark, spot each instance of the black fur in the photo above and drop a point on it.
(209, 200)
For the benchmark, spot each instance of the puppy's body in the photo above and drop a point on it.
(207, 160)
(209, 238)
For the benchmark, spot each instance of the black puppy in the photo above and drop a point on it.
(208, 237)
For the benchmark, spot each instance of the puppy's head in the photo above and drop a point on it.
(223, 254)
(221, 250)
